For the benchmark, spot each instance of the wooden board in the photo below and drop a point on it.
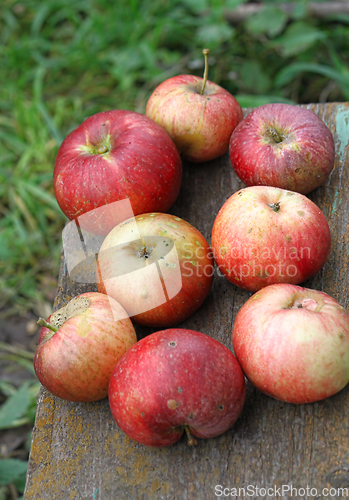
(78, 452)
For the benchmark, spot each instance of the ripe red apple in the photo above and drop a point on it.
(113, 156)
(282, 145)
(79, 346)
(158, 266)
(198, 114)
(293, 343)
(264, 235)
(174, 381)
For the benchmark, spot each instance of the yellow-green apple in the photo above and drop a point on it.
(293, 343)
(79, 346)
(282, 145)
(199, 115)
(113, 156)
(174, 381)
(158, 266)
(264, 235)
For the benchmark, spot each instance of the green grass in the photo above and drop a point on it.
(18, 407)
(63, 60)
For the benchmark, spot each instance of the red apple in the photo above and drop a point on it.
(113, 156)
(158, 266)
(80, 345)
(293, 343)
(264, 235)
(176, 380)
(199, 121)
(282, 145)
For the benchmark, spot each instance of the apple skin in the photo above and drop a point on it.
(187, 276)
(293, 343)
(175, 378)
(264, 235)
(111, 156)
(75, 363)
(200, 125)
(282, 145)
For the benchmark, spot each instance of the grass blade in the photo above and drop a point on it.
(287, 74)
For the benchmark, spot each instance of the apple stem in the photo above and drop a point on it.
(144, 252)
(191, 440)
(275, 206)
(205, 52)
(43, 322)
(276, 136)
(102, 149)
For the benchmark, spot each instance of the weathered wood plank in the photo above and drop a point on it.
(78, 452)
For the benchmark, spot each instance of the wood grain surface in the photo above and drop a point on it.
(78, 452)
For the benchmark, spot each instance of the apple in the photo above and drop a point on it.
(199, 115)
(293, 343)
(173, 381)
(113, 156)
(282, 145)
(264, 235)
(79, 346)
(158, 266)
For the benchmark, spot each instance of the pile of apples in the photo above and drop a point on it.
(117, 175)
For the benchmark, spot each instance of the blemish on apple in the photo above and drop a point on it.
(172, 404)
(263, 274)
